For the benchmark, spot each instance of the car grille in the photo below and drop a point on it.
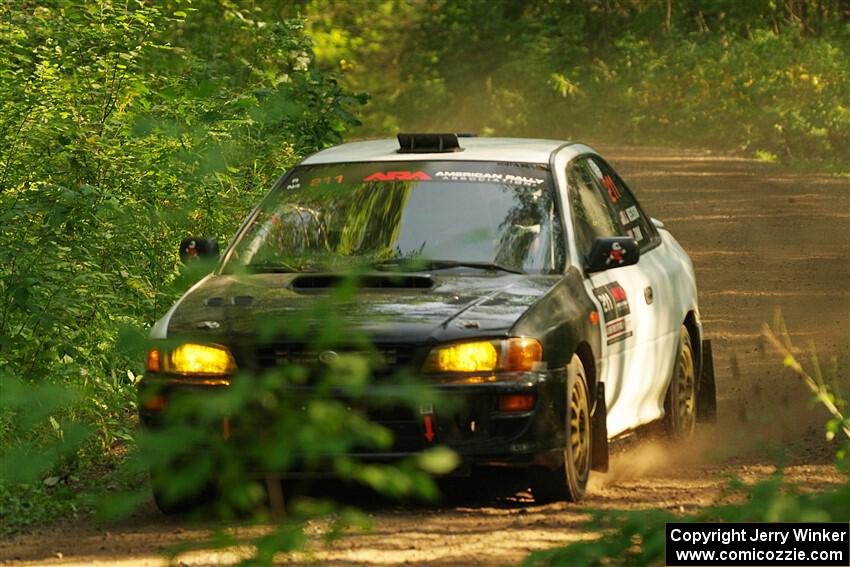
(406, 426)
(385, 359)
(406, 423)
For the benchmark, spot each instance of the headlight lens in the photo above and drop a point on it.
(511, 355)
(200, 360)
(464, 357)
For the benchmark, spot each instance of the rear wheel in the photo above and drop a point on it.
(569, 481)
(680, 404)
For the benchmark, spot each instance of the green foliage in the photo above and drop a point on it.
(274, 425)
(769, 76)
(124, 128)
(781, 94)
(32, 504)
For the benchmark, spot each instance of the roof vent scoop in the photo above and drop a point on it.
(428, 143)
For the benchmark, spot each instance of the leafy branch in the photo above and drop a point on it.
(826, 395)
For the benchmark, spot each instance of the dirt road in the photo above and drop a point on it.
(761, 238)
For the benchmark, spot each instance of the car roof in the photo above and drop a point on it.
(516, 150)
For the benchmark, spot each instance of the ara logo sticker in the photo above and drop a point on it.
(632, 213)
(399, 176)
(615, 308)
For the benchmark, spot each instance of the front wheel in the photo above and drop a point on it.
(171, 502)
(680, 405)
(569, 481)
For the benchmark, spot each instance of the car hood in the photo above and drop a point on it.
(410, 308)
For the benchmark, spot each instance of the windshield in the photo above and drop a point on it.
(438, 215)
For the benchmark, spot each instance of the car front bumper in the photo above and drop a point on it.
(466, 417)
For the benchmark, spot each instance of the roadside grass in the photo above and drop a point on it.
(62, 446)
(66, 493)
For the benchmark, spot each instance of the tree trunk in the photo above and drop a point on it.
(843, 10)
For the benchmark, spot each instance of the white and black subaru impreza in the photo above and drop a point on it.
(520, 275)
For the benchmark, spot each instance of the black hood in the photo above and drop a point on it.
(412, 308)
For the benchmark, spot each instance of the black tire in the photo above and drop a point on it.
(569, 481)
(181, 504)
(680, 404)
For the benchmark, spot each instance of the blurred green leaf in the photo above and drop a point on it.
(438, 461)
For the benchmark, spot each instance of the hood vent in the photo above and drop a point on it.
(376, 281)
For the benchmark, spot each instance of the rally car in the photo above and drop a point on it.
(521, 275)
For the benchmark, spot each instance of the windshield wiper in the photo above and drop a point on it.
(419, 265)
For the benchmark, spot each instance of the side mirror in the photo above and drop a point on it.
(194, 249)
(612, 252)
(656, 222)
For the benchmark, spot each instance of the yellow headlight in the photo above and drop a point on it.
(202, 360)
(464, 357)
(510, 355)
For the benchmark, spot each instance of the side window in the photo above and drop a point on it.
(591, 216)
(631, 220)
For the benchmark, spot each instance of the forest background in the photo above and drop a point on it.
(125, 126)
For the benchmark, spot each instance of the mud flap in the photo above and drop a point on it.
(707, 394)
(599, 432)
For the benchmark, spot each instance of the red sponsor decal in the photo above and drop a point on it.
(399, 176)
(618, 293)
(613, 191)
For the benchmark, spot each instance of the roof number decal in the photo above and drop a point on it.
(613, 191)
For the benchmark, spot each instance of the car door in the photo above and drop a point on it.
(661, 304)
(625, 295)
